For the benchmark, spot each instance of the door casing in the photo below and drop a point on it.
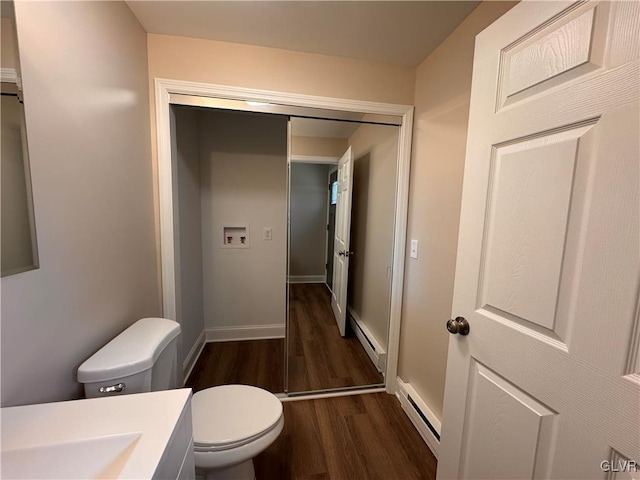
(164, 88)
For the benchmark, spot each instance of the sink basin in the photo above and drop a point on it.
(97, 457)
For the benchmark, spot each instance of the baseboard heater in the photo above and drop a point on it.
(366, 337)
(374, 350)
(423, 417)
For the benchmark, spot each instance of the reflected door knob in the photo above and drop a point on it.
(458, 325)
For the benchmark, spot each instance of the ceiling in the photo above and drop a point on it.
(401, 33)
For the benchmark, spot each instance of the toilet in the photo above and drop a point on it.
(231, 423)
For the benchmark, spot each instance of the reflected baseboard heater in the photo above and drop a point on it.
(374, 350)
(421, 416)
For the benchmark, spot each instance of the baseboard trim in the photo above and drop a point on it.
(250, 332)
(425, 421)
(307, 279)
(192, 356)
(374, 349)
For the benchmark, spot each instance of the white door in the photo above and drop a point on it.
(547, 382)
(341, 251)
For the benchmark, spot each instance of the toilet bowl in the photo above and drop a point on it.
(231, 423)
(234, 424)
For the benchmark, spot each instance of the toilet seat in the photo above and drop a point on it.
(230, 416)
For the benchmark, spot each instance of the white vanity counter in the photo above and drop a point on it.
(147, 435)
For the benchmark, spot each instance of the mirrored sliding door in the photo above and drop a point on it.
(341, 233)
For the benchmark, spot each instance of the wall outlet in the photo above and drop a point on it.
(414, 249)
(267, 233)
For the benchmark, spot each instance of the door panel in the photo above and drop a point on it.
(527, 223)
(546, 384)
(342, 241)
(507, 425)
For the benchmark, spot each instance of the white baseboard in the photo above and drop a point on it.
(250, 332)
(307, 278)
(407, 395)
(192, 356)
(374, 349)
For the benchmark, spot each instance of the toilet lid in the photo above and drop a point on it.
(231, 414)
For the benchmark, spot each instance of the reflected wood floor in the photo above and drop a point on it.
(354, 437)
(319, 358)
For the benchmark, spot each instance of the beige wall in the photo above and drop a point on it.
(443, 85)
(318, 146)
(243, 180)
(209, 61)
(87, 121)
(375, 153)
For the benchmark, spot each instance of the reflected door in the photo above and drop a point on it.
(546, 383)
(341, 241)
(331, 225)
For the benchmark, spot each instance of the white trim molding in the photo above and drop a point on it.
(10, 75)
(307, 278)
(192, 357)
(165, 87)
(422, 417)
(248, 332)
(376, 351)
(284, 397)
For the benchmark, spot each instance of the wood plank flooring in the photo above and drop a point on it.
(354, 437)
(256, 362)
(319, 358)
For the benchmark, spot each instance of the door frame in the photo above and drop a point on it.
(165, 87)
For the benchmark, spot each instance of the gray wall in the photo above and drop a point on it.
(189, 297)
(84, 67)
(243, 181)
(308, 247)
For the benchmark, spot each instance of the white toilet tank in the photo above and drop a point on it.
(143, 358)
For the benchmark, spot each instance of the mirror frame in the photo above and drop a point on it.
(169, 92)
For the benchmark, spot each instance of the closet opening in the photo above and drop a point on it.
(283, 228)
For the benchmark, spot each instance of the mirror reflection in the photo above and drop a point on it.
(19, 252)
(293, 306)
(341, 203)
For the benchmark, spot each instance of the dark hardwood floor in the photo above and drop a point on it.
(254, 362)
(319, 358)
(353, 437)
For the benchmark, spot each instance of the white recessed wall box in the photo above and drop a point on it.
(235, 235)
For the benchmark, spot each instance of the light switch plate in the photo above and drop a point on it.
(414, 249)
(267, 233)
